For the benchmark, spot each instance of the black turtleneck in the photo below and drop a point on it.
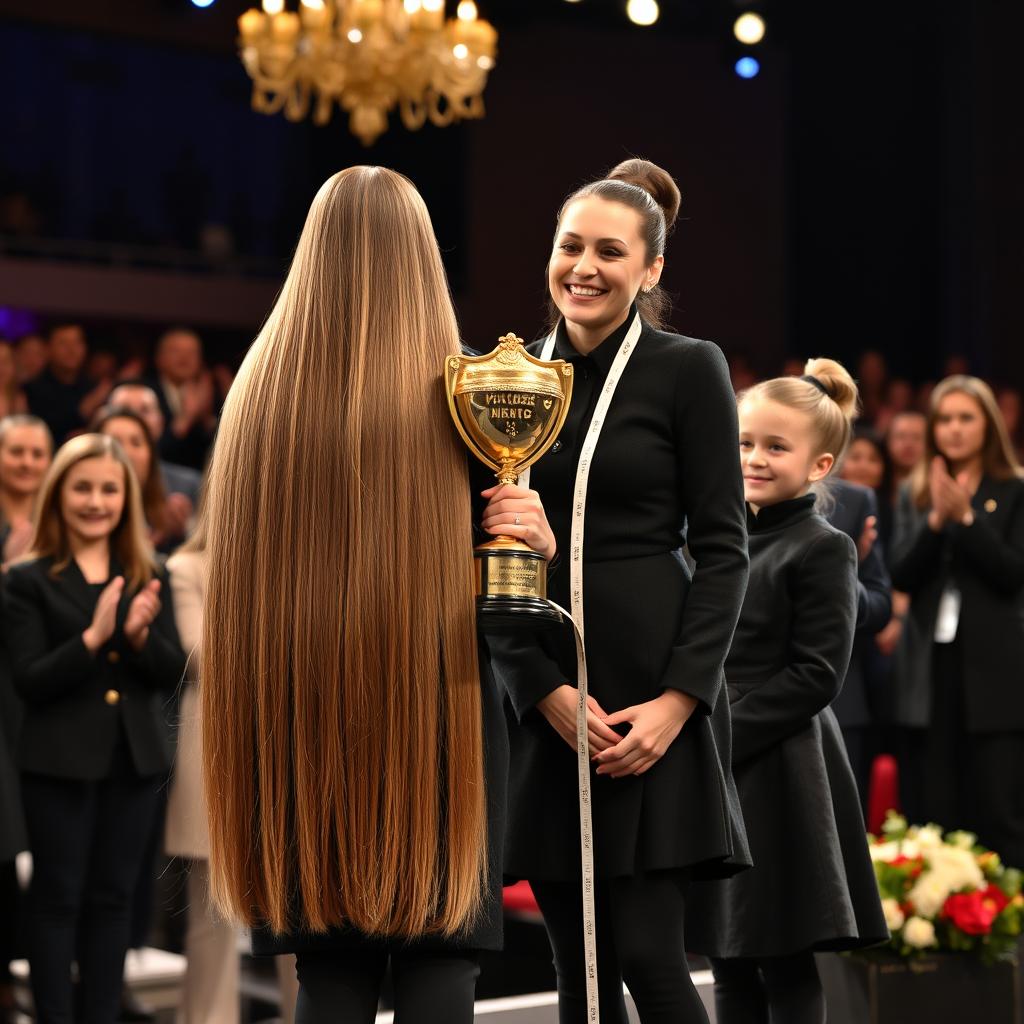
(780, 515)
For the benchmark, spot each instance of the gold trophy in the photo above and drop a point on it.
(509, 407)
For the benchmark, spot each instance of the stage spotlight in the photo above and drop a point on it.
(642, 12)
(749, 28)
(202, 3)
(747, 67)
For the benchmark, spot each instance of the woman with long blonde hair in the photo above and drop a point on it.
(958, 551)
(94, 652)
(354, 744)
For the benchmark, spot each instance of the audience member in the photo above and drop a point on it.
(142, 400)
(90, 629)
(187, 397)
(959, 554)
(12, 398)
(1010, 406)
(867, 463)
(855, 512)
(872, 378)
(167, 516)
(30, 357)
(26, 449)
(102, 367)
(62, 394)
(904, 441)
(25, 453)
(899, 397)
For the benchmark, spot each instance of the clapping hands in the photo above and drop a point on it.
(950, 498)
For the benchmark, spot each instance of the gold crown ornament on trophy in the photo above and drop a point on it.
(509, 407)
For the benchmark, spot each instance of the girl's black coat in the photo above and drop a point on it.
(666, 471)
(70, 731)
(985, 561)
(812, 885)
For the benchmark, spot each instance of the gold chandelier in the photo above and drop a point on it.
(369, 57)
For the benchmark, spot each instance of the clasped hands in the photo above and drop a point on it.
(654, 724)
(144, 608)
(950, 498)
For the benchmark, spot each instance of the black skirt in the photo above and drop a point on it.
(812, 885)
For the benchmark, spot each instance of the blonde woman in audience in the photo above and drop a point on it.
(94, 652)
(26, 449)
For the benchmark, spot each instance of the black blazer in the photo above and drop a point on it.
(77, 704)
(985, 561)
(666, 471)
(786, 665)
(853, 504)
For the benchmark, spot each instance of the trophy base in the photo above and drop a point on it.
(511, 588)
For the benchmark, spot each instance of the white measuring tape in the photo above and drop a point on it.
(579, 510)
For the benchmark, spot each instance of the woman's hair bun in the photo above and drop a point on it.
(651, 178)
(837, 382)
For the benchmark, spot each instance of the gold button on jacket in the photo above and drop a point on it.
(113, 657)
(112, 697)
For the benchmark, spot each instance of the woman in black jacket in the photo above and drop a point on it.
(812, 886)
(959, 553)
(665, 473)
(94, 654)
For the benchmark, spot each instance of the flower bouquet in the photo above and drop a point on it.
(945, 893)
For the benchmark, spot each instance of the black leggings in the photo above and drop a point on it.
(639, 941)
(768, 990)
(344, 987)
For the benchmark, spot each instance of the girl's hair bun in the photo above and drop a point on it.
(837, 382)
(653, 180)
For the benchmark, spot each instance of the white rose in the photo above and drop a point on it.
(962, 840)
(957, 866)
(910, 848)
(894, 916)
(929, 835)
(919, 933)
(929, 892)
(884, 851)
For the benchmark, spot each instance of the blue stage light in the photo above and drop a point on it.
(747, 67)
(203, 3)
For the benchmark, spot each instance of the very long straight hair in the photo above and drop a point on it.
(339, 683)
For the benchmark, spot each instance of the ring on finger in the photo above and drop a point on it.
(516, 520)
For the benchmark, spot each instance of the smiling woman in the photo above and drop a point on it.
(665, 471)
(94, 653)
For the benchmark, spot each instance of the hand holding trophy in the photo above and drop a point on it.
(509, 407)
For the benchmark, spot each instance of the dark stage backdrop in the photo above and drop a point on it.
(863, 192)
(130, 139)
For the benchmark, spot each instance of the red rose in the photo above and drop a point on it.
(995, 898)
(915, 864)
(971, 912)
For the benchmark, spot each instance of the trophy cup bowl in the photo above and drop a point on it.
(509, 407)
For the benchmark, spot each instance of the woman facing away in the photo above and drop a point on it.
(665, 471)
(354, 744)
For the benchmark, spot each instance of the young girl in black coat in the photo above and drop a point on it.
(812, 886)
